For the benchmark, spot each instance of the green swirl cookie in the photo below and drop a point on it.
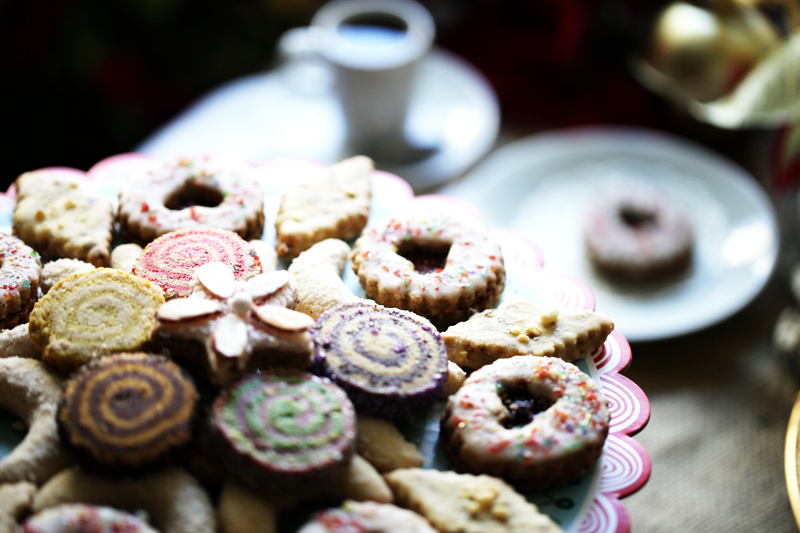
(285, 429)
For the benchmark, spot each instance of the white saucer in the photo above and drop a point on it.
(542, 185)
(293, 111)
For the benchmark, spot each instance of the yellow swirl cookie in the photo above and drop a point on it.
(93, 314)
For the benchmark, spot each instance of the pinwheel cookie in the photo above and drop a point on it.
(171, 260)
(127, 411)
(391, 362)
(61, 216)
(93, 314)
(285, 430)
(335, 206)
(526, 327)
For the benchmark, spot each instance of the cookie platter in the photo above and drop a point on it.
(589, 504)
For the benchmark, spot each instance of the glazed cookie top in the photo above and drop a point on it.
(155, 194)
(472, 255)
(171, 260)
(82, 518)
(20, 269)
(489, 415)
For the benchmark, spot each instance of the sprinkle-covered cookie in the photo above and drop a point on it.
(334, 206)
(127, 411)
(20, 273)
(285, 430)
(171, 260)
(390, 362)
(435, 264)
(82, 518)
(372, 517)
(61, 216)
(93, 314)
(188, 192)
(526, 327)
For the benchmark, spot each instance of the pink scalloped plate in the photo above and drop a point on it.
(591, 504)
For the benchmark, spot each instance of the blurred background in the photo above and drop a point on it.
(87, 79)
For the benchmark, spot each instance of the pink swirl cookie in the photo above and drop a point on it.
(436, 265)
(537, 422)
(171, 260)
(191, 193)
(20, 271)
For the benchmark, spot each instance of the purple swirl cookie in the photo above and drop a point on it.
(391, 362)
(285, 430)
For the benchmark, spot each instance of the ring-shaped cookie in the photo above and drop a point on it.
(392, 261)
(173, 499)
(638, 234)
(30, 391)
(191, 192)
(536, 422)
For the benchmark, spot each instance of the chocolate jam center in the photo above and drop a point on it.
(637, 218)
(425, 259)
(522, 406)
(190, 195)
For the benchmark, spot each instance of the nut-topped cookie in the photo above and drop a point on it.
(334, 206)
(60, 215)
(526, 327)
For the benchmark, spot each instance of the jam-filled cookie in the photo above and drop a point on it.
(435, 264)
(536, 422)
(191, 192)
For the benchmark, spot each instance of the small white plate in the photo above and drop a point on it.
(542, 185)
(294, 111)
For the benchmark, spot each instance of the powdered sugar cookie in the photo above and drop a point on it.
(55, 271)
(318, 272)
(29, 390)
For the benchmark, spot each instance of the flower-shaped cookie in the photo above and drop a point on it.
(235, 326)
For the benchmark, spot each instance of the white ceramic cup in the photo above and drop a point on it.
(373, 47)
